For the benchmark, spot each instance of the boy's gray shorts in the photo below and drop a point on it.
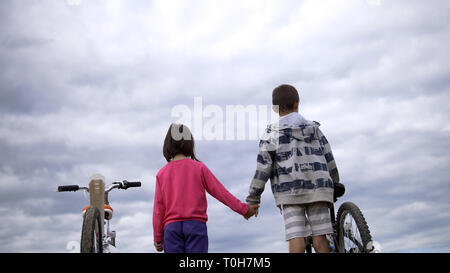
(307, 220)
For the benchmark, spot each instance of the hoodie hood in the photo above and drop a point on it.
(295, 126)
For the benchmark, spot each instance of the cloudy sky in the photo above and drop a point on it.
(88, 86)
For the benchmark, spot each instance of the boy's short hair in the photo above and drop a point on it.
(285, 96)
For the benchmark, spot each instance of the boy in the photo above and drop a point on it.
(297, 158)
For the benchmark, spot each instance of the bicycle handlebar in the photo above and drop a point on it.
(116, 185)
(126, 184)
(68, 188)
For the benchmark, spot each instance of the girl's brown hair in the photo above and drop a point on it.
(179, 140)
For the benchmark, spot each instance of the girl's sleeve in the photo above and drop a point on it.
(218, 191)
(158, 214)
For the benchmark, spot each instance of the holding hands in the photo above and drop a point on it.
(252, 210)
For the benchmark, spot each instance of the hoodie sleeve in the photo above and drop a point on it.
(263, 171)
(331, 163)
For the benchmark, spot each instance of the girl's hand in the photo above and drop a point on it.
(159, 246)
(252, 210)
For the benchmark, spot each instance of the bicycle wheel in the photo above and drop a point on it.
(91, 233)
(353, 235)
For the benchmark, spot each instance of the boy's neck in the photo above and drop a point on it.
(287, 113)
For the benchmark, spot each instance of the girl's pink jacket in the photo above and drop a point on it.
(180, 194)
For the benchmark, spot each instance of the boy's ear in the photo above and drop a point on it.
(276, 108)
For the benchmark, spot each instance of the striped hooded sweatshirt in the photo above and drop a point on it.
(297, 158)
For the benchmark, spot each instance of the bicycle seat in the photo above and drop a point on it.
(339, 190)
(108, 212)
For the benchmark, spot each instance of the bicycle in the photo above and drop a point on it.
(98, 214)
(351, 232)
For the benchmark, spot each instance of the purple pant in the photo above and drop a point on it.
(186, 237)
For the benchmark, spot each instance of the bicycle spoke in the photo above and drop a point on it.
(352, 236)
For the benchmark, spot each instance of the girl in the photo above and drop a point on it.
(179, 211)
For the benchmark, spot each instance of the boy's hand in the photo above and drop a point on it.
(252, 210)
(256, 210)
(159, 246)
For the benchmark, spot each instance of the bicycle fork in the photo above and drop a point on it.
(109, 239)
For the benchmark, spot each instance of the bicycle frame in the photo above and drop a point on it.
(334, 235)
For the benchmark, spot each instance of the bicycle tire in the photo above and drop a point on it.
(350, 208)
(91, 226)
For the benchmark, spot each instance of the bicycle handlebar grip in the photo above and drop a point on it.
(68, 188)
(127, 184)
